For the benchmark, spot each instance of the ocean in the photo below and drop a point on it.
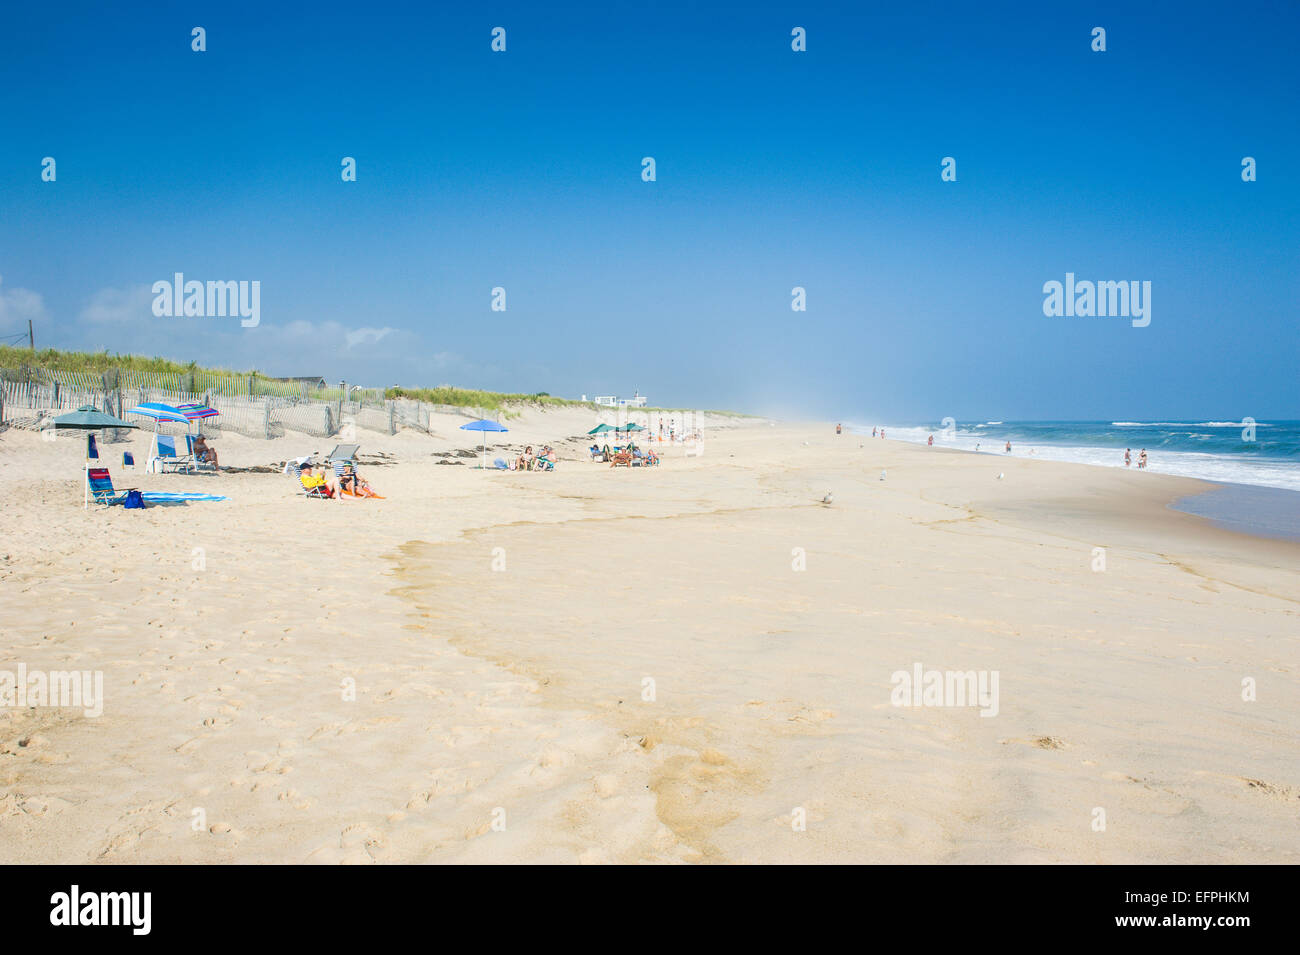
(1246, 455)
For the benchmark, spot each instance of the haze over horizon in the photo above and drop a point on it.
(775, 169)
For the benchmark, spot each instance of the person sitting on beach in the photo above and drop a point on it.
(525, 461)
(546, 459)
(350, 482)
(311, 480)
(204, 453)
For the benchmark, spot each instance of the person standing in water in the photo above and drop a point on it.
(1007, 449)
(1142, 459)
(931, 441)
(1128, 456)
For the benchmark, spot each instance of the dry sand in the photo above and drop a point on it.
(599, 665)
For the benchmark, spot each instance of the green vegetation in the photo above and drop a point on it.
(472, 398)
(93, 362)
(24, 360)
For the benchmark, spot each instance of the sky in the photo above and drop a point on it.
(774, 169)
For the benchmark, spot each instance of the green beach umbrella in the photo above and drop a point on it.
(600, 429)
(88, 418)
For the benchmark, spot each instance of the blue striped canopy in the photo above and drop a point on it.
(193, 411)
(159, 412)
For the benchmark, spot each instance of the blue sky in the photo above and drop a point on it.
(775, 169)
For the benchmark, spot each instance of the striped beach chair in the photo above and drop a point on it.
(101, 487)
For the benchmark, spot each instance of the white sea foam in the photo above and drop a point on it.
(1208, 467)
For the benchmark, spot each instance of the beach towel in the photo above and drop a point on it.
(177, 497)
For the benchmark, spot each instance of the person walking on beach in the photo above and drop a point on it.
(873, 432)
(839, 429)
(1128, 456)
(1142, 459)
(931, 441)
(1007, 449)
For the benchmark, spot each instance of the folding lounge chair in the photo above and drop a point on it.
(343, 453)
(295, 469)
(102, 490)
(165, 448)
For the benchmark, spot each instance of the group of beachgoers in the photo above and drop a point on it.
(544, 460)
(1142, 458)
(628, 455)
(350, 484)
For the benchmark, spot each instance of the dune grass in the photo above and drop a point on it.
(93, 363)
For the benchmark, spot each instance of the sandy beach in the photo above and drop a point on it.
(690, 663)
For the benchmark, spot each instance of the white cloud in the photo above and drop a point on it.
(18, 305)
(119, 305)
(359, 336)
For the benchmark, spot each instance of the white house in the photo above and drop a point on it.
(610, 401)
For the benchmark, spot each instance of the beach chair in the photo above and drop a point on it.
(102, 490)
(343, 453)
(195, 463)
(165, 452)
(294, 468)
(501, 465)
(128, 460)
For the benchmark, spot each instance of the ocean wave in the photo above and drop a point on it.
(1214, 454)
(1184, 424)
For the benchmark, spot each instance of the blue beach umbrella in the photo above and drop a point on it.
(484, 425)
(159, 412)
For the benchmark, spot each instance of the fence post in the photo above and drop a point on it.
(266, 418)
(392, 416)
